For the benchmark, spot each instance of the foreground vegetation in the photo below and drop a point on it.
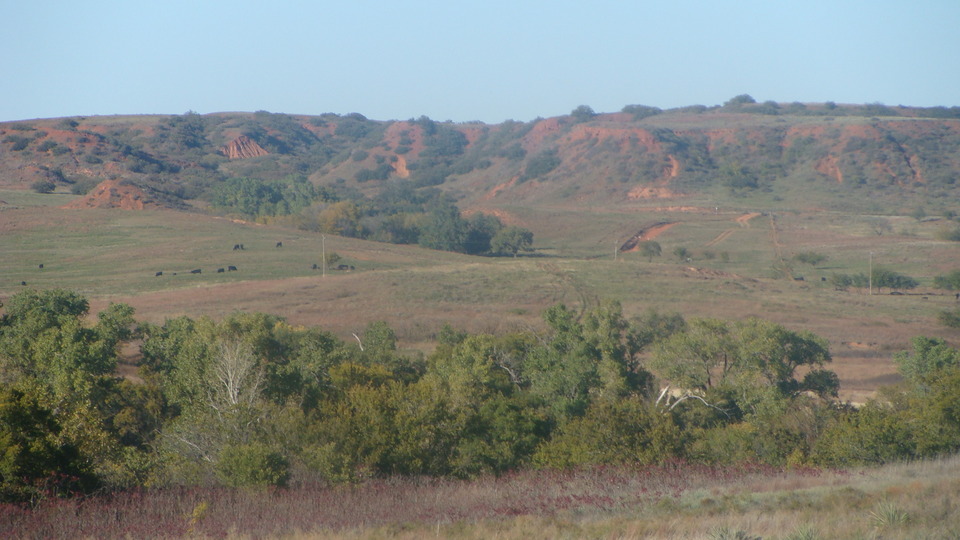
(674, 500)
(252, 401)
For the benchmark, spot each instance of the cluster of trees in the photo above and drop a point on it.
(400, 215)
(879, 278)
(251, 400)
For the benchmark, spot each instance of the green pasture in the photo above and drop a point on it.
(735, 268)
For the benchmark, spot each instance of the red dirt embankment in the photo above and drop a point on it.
(647, 234)
(117, 194)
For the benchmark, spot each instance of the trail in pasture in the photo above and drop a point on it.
(743, 221)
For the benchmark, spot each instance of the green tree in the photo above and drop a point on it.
(650, 249)
(252, 465)
(583, 113)
(34, 460)
(481, 229)
(341, 218)
(623, 432)
(43, 186)
(755, 359)
(811, 258)
(950, 281)
(511, 241)
(444, 229)
(681, 253)
(927, 360)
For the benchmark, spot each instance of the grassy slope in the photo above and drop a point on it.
(112, 255)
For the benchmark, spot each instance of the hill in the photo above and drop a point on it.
(778, 155)
(741, 189)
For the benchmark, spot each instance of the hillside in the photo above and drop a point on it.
(740, 190)
(882, 159)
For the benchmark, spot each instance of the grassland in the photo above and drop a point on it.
(740, 265)
(899, 501)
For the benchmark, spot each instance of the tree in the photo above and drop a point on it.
(512, 240)
(444, 229)
(928, 359)
(682, 254)
(755, 359)
(650, 249)
(43, 186)
(341, 218)
(481, 229)
(879, 225)
(948, 282)
(582, 113)
(811, 258)
(739, 101)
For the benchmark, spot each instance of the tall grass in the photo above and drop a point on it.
(676, 500)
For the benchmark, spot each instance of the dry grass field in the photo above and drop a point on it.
(671, 501)
(739, 264)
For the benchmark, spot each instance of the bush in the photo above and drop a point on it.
(252, 465)
(951, 234)
(541, 164)
(82, 186)
(43, 186)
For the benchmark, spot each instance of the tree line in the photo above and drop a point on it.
(251, 400)
(401, 214)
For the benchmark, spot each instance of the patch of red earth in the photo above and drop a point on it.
(646, 234)
(500, 187)
(243, 147)
(505, 217)
(744, 220)
(829, 168)
(116, 194)
(543, 129)
(396, 131)
(652, 192)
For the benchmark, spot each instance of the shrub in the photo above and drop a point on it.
(252, 465)
(951, 234)
(541, 164)
(82, 186)
(43, 186)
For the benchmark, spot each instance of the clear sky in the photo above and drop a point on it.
(489, 60)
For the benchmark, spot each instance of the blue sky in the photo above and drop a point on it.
(462, 61)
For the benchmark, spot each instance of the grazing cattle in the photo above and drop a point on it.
(219, 270)
(342, 267)
(41, 266)
(158, 274)
(23, 283)
(279, 244)
(314, 266)
(800, 278)
(195, 271)
(823, 279)
(236, 247)
(231, 269)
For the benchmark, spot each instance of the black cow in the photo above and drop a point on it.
(196, 271)
(315, 266)
(219, 270)
(158, 274)
(236, 247)
(231, 269)
(41, 266)
(279, 244)
(24, 283)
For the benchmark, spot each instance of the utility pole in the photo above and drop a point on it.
(870, 277)
(323, 253)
